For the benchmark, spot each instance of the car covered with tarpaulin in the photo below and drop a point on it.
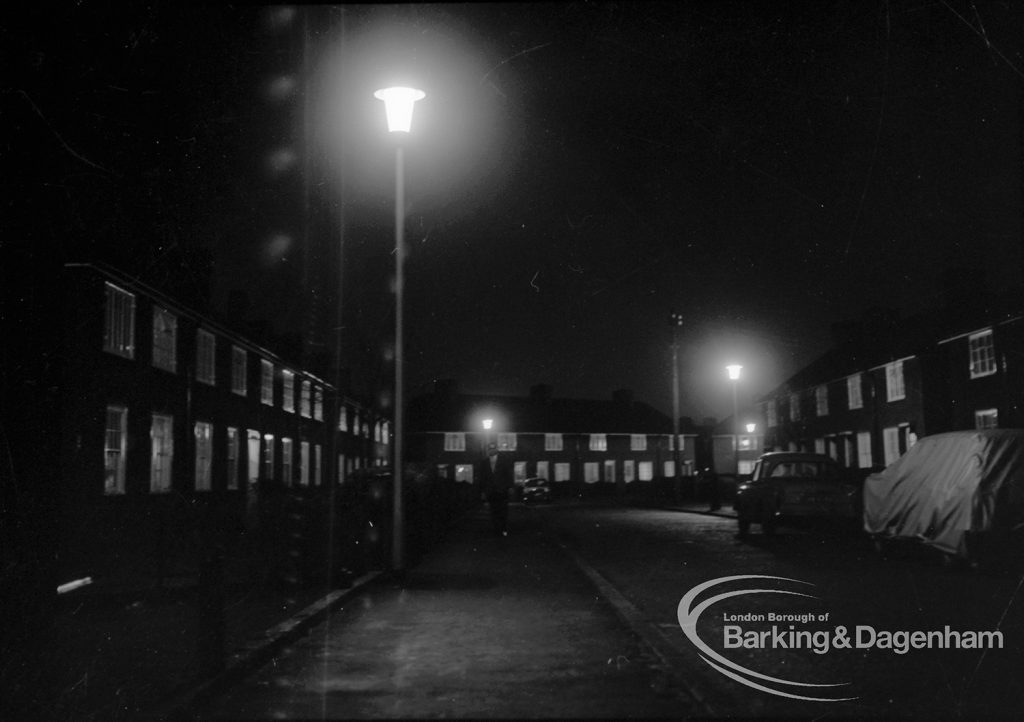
(960, 492)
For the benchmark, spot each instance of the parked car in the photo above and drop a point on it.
(786, 485)
(536, 489)
(960, 492)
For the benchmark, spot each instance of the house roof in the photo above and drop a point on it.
(882, 337)
(538, 414)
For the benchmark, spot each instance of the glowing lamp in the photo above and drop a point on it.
(398, 103)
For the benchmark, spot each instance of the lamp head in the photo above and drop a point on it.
(734, 371)
(398, 104)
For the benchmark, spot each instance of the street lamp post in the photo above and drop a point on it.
(677, 321)
(488, 424)
(398, 105)
(734, 376)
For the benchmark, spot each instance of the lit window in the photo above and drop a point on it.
(746, 443)
(894, 387)
(205, 357)
(165, 339)
(115, 449)
(119, 331)
(507, 442)
(288, 384)
(609, 471)
(238, 370)
(629, 471)
(542, 469)
(162, 453)
(983, 354)
(598, 442)
(821, 400)
(317, 464)
(268, 456)
(304, 463)
(552, 442)
(891, 444)
(646, 469)
(638, 442)
(343, 419)
(204, 455)
(304, 409)
(853, 392)
(986, 419)
(266, 382)
(286, 461)
(233, 454)
(318, 403)
(794, 407)
(455, 442)
(771, 413)
(591, 472)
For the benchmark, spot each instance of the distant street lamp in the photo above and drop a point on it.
(751, 428)
(398, 105)
(677, 321)
(734, 375)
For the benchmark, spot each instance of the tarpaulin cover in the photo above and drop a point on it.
(947, 485)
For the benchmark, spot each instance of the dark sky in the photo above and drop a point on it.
(576, 172)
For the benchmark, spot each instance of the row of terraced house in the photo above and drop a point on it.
(888, 381)
(164, 406)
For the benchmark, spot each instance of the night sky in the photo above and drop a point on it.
(576, 172)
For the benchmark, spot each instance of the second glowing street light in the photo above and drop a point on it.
(398, 105)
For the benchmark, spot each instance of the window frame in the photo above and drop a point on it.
(266, 382)
(161, 474)
(165, 340)
(118, 453)
(119, 322)
(854, 392)
(895, 381)
(454, 441)
(288, 390)
(203, 431)
(206, 357)
(982, 357)
(980, 415)
(239, 370)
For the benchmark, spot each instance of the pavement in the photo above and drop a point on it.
(484, 626)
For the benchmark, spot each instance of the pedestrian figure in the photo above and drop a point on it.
(713, 491)
(496, 480)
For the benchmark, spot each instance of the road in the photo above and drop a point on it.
(489, 627)
(651, 558)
